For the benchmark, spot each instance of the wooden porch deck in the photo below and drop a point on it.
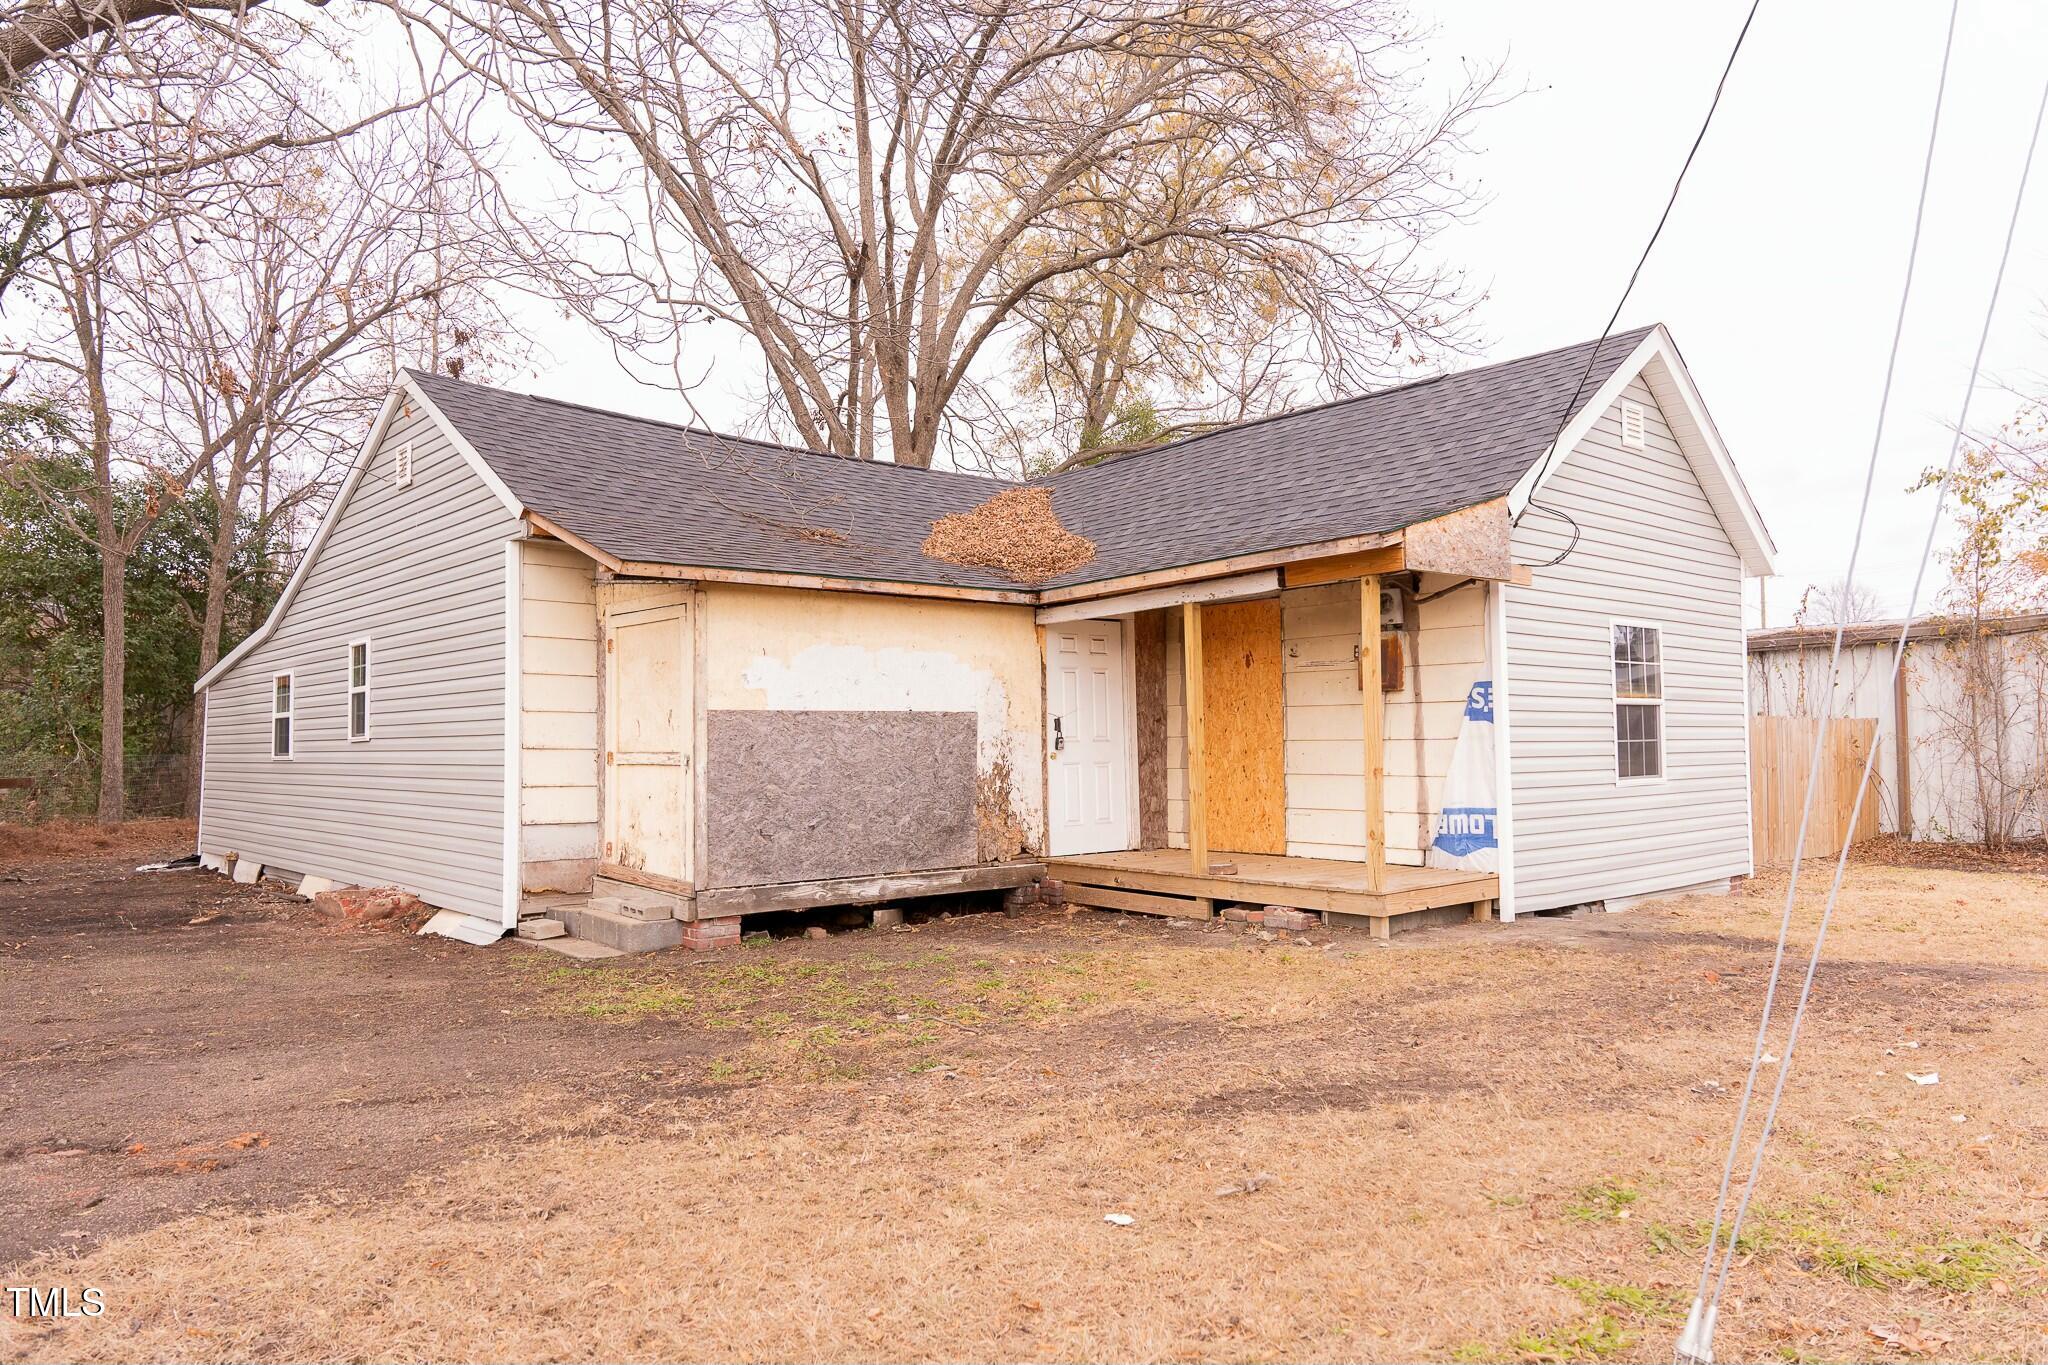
(1159, 882)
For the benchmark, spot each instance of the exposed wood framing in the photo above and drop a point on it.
(674, 886)
(757, 900)
(1409, 890)
(1198, 758)
(1216, 568)
(1141, 902)
(1148, 631)
(1373, 707)
(1337, 568)
(1208, 590)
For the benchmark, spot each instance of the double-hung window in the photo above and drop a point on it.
(1638, 702)
(359, 690)
(281, 716)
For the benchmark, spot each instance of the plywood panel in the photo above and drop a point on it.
(795, 796)
(1241, 690)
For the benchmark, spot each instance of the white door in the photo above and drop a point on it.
(648, 733)
(1086, 738)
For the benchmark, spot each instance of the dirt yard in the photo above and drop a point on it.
(262, 1138)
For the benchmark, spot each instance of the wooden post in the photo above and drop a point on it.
(1198, 758)
(1374, 707)
(1902, 750)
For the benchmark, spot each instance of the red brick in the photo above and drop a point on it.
(1243, 914)
(705, 934)
(1291, 921)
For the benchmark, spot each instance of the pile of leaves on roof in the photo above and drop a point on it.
(1015, 534)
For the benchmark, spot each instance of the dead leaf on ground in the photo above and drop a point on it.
(1244, 1186)
(243, 1141)
(1910, 1336)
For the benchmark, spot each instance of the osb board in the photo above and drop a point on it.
(1472, 543)
(1243, 709)
(795, 796)
(1150, 666)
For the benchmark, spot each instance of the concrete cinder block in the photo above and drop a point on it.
(248, 871)
(541, 927)
(887, 916)
(594, 924)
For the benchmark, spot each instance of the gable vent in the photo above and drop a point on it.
(1632, 425)
(401, 466)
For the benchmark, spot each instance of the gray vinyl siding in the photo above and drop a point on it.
(420, 804)
(1651, 551)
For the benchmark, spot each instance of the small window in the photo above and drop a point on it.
(359, 690)
(281, 716)
(401, 467)
(1638, 702)
(1632, 425)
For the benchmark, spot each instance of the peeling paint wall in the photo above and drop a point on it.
(779, 649)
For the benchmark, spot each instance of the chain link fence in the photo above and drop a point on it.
(36, 787)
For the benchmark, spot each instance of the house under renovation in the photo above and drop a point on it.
(1387, 659)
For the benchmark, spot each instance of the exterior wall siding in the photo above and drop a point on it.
(558, 734)
(420, 572)
(1443, 654)
(1652, 551)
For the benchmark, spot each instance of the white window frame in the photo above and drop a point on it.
(351, 689)
(287, 715)
(1616, 701)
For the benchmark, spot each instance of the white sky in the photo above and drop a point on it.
(1778, 274)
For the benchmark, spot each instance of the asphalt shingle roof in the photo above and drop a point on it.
(649, 491)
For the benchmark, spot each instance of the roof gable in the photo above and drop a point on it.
(651, 492)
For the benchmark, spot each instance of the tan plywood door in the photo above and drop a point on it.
(1243, 707)
(649, 730)
(1087, 736)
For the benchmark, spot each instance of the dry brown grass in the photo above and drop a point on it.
(59, 839)
(1486, 1143)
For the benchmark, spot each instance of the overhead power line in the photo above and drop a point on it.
(1696, 1345)
(1592, 356)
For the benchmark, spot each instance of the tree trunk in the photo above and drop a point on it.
(212, 624)
(113, 807)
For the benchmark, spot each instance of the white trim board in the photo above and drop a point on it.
(401, 392)
(1663, 371)
(514, 727)
(1236, 586)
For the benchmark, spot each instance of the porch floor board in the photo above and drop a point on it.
(1331, 885)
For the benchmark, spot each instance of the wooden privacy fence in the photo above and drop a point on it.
(1780, 756)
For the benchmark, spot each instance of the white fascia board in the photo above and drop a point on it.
(364, 456)
(403, 392)
(464, 448)
(1254, 584)
(1656, 359)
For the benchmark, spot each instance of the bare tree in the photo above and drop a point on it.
(1837, 603)
(874, 193)
(191, 331)
(1986, 692)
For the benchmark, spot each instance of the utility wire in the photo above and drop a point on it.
(1696, 1344)
(1898, 656)
(1592, 356)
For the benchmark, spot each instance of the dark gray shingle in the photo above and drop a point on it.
(649, 491)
